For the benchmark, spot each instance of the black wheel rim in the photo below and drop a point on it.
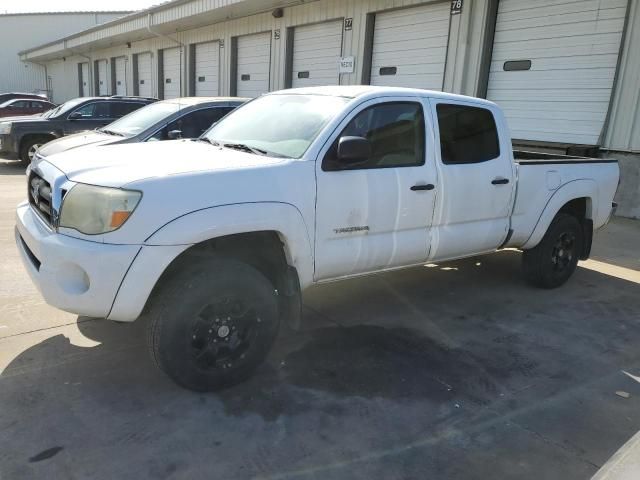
(563, 252)
(223, 333)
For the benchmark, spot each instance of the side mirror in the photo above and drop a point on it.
(75, 116)
(353, 150)
(174, 134)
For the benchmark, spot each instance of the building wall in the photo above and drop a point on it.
(623, 132)
(22, 31)
(463, 57)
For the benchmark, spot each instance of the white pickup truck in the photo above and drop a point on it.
(213, 240)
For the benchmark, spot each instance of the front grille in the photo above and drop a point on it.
(39, 193)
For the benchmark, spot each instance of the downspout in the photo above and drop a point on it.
(183, 50)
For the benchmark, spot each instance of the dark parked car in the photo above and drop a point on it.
(13, 95)
(169, 119)
(23, 136)
(24, 106)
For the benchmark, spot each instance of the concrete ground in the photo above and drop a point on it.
(456, 371)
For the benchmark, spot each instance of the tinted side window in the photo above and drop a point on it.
(20, 104)
(467, 134)
(194, 124)
(95, 110)
(120, 109)
(395, 131)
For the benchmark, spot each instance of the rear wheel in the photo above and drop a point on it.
(555, 258)
(213, 323)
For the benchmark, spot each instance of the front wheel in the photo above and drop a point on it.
(29, 148)
(550, 263)
(213, 323)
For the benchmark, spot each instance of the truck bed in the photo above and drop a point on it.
(525, 157)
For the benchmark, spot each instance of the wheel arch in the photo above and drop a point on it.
(577, 198)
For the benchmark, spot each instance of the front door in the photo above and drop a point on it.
(375, 214)
(478, 180)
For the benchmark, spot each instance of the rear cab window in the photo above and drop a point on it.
(467, 134)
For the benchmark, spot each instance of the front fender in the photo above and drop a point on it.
(223, 220)
(583, 188)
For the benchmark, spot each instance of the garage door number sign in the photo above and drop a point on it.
(456, 7)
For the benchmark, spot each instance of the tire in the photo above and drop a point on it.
(28, 147)
(552, 262)
(212, 323)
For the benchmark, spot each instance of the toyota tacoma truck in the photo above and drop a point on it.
(213, 240)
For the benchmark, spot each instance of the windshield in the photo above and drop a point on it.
(64, 108)
(6, 104)
(143, 118)
(282, 125)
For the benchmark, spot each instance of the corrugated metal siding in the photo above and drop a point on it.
(573, 48)
(623, 130)
(20, 32)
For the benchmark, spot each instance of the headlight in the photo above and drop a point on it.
(5, 128)
(92, 210)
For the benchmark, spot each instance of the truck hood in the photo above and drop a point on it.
(77, 140)
(118, 165)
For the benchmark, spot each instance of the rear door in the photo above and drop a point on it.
(478, 179)
(377, 214)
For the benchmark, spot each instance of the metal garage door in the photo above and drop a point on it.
(84, 75)
(410, 47)
(206, 71)
(171, 72)
(253, 62)
(145, 84)
(121, 76)
(553, 67)
(316, 51)
(103, 83)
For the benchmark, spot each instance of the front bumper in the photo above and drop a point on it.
(75, 275)
(89, 278)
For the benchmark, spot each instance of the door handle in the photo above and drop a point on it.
(499, 181)
(428, 186)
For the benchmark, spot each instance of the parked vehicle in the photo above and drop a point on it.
(23, 136)
(215, 239)
(13, 95)
(165, 120)
(24, 106)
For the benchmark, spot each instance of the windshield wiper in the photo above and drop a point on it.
(208, 140)
(111, 132)
(245, 148)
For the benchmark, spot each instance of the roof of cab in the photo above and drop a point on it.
(199, 100)
(356, 91)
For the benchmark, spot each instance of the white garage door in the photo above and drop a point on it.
(316, 51)
(254, 57)
(103, 82)
(121, 76)
(207, 65)
(145, 84)
(171, 72)
(552, 68)
(410, 47)
(84, 69)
